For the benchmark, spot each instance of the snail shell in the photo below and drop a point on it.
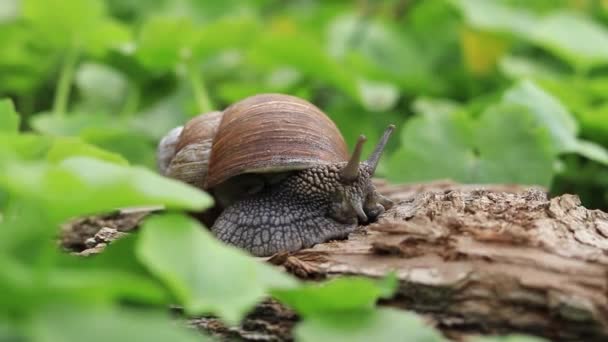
(267, 133)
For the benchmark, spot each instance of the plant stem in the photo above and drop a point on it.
(62, 92)
(132, 100)
(198, 88)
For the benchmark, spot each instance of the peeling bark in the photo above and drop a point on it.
(484, 260)
(472, 259)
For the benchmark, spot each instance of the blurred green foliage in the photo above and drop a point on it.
(120, 74)
(481, 91)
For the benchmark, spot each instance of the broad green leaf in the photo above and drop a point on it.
(64, 148)
(339, 295)
(154, 122)
(549, 112)
(521, 154)
(80, 186)
(64, 23)
(561, 125)
(9, 10)
(25, 146)
(68, 322)
(23, 68)
(205, 275)
(592, 151)
(435, 146)
(100, 85)
(16, 285)
(164, 42)
(9, 331)
(379, 325)
(381, 55)
(454, 146)
(112, 275)
(495, 16)
(377, 96)
(129, 143)
(230, 32)
(572, 94)
(594, 124)
(103, 285)
(73, 124)
(121, 135)
(9, 119)
(520, 67)
(574, 37)
(108, 35)
(307, 57)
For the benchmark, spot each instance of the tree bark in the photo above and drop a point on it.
(472, 259)
(479, 259)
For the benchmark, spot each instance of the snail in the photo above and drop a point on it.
(279, 169)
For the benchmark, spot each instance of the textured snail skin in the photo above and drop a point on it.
(309, 207)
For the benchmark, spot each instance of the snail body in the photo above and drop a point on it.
(280, 170)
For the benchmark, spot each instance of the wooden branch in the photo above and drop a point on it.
(472, 259)
(500, 259)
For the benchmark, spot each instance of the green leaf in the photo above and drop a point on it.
(592, 151)
(23, 68)
(594, 123)
(103, 285)
(205, 275)
(66, 322)
(129, 143)
(308, 57)
(548, 111)
(155, 121)
(124, 136)
(425, 138)
(25, 146)
(63, 23)
(9, 10)
(380, 54)
(377, 96)
(74, 124)
(112, 275)
(164, 42)
(101, 86)
(519, 67)
(521, 154)
(453, 145)
(64, 148)
(230, 32)
(339, 295)
(574, 37)
(108, 35)
(9, 119)
(380, 325)
(561, 124)
(81, 186)
(495, 16)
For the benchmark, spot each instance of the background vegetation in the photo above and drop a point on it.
(481, 91)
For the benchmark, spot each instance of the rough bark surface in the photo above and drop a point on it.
(499, 259)
(493, 259)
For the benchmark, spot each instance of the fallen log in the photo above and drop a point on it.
(491, 260)
(472, 259)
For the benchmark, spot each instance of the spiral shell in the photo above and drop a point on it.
(273, 133)
(265, 133)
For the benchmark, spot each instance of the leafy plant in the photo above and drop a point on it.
(481, 91)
